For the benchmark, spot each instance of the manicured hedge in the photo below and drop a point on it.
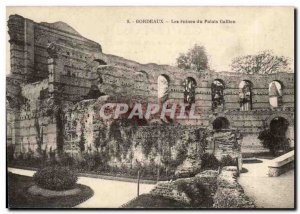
(55, 178)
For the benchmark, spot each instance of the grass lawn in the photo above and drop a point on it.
(150, 201)
(18, 196)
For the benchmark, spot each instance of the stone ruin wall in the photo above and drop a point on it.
(29, 41)
(146, 145)
(67, 65)
(250, 123)
(32, 71)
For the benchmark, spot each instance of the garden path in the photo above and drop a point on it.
(107, 193)
(268, 192)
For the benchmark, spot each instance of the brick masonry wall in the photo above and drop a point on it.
(70, 63)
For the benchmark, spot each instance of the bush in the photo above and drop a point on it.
(227, 160)
(55, 178)
(209, 161)
(273, 142)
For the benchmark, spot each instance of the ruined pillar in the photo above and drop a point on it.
(55, 69)
(21, 32)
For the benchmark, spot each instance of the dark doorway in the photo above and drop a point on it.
(220, 123)
(279, 126)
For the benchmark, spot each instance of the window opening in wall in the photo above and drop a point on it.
(245, 95)
(275, 94)
(217, 93)
(189, 90)
(162, 87)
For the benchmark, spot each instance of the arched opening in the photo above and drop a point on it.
(217, 94)
(275, 94)
(163, 87)
(279, 126)
(245, 95)
(189, 90)
(220, 123)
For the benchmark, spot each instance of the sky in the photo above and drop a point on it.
(255, 29)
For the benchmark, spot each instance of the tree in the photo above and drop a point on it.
(196, 59)
(263, 63)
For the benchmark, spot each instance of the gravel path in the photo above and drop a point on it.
(268, 192)
(107, 193)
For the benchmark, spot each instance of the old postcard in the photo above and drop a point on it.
(150, 107)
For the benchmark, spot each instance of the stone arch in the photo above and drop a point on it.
(217, 94)
(163, 84)
(220, 123)
(275, 93)
(245, 95)
(190, 75)
(279, 115)
(153, 76)
(189, 90)
(289, 131)
(281, 127)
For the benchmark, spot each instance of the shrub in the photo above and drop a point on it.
(273, 142)
(209, 161)
(227, 160)
(55, 178)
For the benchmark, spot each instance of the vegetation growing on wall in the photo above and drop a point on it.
(60, 121)
(120, 149)
(39, 135)
(82, 141)
(100, 141)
